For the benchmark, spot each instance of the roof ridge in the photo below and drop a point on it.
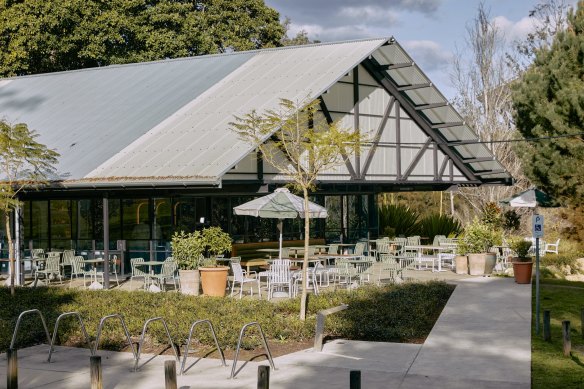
(191, 58)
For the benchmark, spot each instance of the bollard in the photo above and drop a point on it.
(355, 379)
(566, 336)
(95, 372)
(547, 334)
(263, 377)
(12, 378)
(170, 374)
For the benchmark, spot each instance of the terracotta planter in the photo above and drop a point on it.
(522, 272)
(214, 280)
(461, 263)
(481, 264)
(190, 282)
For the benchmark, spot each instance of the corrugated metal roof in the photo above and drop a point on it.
(198, 141)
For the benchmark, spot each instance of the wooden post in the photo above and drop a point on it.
(355, 379)
(566, 336)
(12, 380)
(547, 334)
(170, 374)
(95, 372)
(263, 377)
(582, 322)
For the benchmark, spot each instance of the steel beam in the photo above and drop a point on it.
(416, 159)
(378, 135)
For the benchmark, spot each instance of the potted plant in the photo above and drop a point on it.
(187, 251)
(214, 277)
(522, 263)
(476, 242)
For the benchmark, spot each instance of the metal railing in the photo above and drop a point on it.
(320, 317)
(170, 342)
(204, 321)
(63, 315)
(18, 325)
(99, 328)
(263, 337)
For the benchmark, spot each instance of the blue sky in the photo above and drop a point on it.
(430, 30)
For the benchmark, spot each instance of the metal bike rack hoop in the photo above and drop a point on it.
(144, 333)
(22, 314)
(241, 333)
(204, 321)
(101, 323)
(63, 315)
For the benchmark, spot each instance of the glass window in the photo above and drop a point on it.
(190, 213)
(333, 221)
(162, 219)
(40, 223)
(136, 219)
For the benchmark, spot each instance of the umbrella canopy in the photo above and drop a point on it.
(280, 205)
(530, 198)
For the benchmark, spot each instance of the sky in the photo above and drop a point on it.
(431, 31)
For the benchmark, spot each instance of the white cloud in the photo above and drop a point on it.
(370, 15)
(428, 54)
(514, 31)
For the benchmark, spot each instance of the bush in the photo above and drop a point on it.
(400, 218)
(398, 313)
(436, 224)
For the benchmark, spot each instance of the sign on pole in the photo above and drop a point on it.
(537, 226)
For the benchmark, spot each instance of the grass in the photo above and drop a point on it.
(550, 369)
(398, 313)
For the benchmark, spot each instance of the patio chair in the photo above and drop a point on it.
(138, 271)
(78, 269)
(359, 248)
(66, 259)
(389, 269)
(552, 247)
(52, 269)
(168, 272)
(311, 282)
(239, 276)
(280, 277)
(320, 271)
(333, 249)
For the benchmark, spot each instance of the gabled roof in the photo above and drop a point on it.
(168, 121)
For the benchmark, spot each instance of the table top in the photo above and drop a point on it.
(96, 260)
(345, 244)
(348, 256)
(427, 247)
(150, 263)
(269, 250)
(259, 261)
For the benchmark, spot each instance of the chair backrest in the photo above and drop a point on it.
(333, 249)
(37, 253)
(136, 269)
(237, 271)
(169, 267)
(413, 240)
(359, 248)
(438, 239)
(235, 259)
(382, 247)
(280, 272)
(77, 264)
(53, 263)
(68, 256)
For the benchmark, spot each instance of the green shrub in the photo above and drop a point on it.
(479, 237)
(399, 313)
(436, 224)
(400, 218)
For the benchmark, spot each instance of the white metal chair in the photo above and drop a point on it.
(138, 271)
(280, 277)
(52, 269)
(552, 247)
(240, 277)
(168, 272)
(359, 248)
(78, 269)
(311, 282)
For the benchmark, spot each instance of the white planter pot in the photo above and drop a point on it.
(190, 282)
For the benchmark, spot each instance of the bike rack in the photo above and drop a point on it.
(57, 327)
(18, 325)
(205, 321)
(142, 340)
(241, 333)
(101, 323)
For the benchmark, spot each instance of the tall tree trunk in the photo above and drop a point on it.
(10, 250)
(304, 295)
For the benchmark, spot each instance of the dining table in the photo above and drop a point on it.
(439, 250)
(151, 264)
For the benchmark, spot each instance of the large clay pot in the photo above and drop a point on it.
(214, 280)
(522, 272)
(461, 263)
(190, 282)
(481, 264)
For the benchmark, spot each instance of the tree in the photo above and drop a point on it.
(38, 36)
(301, 37)
(481, 77)
(298, 141)
(25, 163)
(548, 101)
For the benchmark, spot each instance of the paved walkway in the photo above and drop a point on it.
(481, 340)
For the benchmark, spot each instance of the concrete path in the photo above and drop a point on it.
(481, 340)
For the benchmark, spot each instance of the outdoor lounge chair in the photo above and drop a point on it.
(552, 247)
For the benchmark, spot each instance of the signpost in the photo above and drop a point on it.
(537, 232)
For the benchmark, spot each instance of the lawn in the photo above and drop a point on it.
(550, 369)
(397, 313)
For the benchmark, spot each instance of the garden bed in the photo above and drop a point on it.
(396, 313)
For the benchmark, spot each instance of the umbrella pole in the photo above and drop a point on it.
(280, 227)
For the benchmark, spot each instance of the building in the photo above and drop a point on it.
(151, 142)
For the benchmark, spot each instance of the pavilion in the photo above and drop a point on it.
(150, 145)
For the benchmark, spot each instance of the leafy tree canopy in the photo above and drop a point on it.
(38, 36)
(549, 101)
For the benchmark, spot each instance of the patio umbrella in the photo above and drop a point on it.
(280, 205)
